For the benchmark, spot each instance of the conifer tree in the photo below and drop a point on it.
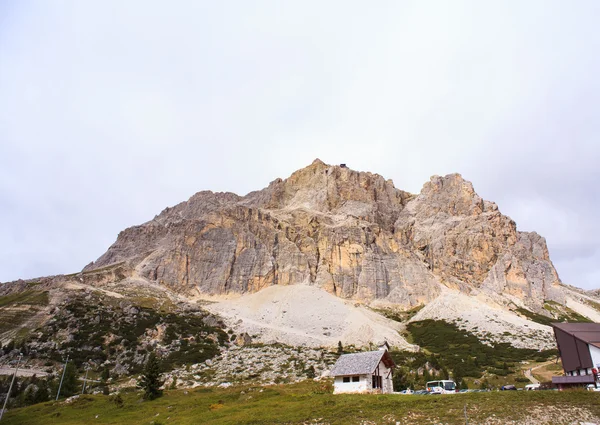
(150, 381)
(426, 375)
(457, 374)
(104, 376)
(42, 395)
(70, 385)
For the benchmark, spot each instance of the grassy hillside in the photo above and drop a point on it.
(451, 352)
(16, 309)
(312, 402)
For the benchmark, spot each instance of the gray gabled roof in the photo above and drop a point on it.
(359, 363)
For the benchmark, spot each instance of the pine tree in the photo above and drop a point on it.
(70, 385)
(445, 374)
(310, 372)
(150, 381)
(41, 395)
(105, 374)
(426, 375)
(9, 347)
(340, 347)
(457, 375)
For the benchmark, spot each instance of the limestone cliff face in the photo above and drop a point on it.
(351, 233)
(469, 244)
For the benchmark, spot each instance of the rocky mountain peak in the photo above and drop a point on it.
(452, 195)
(331, 189)
(349, 232)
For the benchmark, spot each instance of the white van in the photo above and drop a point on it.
(441, 387)
(532, 387)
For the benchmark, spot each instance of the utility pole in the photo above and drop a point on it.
(62, 377)
(11, 385)
(87, 368)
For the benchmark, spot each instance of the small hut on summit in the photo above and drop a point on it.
(367, 372)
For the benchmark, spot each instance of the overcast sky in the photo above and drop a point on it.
(110, 111)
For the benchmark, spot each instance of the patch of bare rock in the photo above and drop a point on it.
(303, 315)
(259, 364)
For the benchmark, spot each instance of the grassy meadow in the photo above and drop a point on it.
(310, 402)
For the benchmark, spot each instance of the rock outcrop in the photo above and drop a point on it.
(351, 233)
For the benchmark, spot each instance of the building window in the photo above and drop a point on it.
(346, 379)
(355, 379)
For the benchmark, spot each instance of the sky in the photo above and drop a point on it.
(111, 111)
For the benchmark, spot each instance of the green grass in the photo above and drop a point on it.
(298, 404)
(397, 315)
(564, 313)
(16, 309)
(25, 298)
(535, 317)
(593, 304)
(560, 313)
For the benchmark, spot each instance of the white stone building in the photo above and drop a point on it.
(368, 372)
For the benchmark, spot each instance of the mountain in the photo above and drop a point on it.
(350, 233)
(331, 254)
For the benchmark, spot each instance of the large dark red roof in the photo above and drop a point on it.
(586, 332)
(573, 340)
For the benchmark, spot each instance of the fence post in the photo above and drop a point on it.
(11, 385)
(62, 377)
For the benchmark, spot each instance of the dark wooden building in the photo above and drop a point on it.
(579, 349)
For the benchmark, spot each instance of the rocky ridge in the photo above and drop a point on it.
(350, 233)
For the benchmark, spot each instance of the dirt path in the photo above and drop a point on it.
(22, 372)
(529, 372)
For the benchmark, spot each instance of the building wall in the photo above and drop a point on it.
(364, 385)
(595, 353)
(387, 385)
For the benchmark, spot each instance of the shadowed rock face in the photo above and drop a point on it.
(351, 233)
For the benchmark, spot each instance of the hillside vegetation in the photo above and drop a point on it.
(451, 352)
(118, 334)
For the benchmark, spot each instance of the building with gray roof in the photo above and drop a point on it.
(366, 372)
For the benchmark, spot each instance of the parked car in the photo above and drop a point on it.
(508, 387)
(592, 387)
(532, 387)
